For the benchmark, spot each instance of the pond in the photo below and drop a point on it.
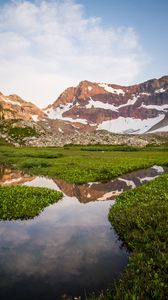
(70, 248)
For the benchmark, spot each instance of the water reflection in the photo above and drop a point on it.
(94, 191)
(70, 248)
(13, 177)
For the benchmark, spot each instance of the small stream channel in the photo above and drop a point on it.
(70, 248)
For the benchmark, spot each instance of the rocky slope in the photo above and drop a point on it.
(101, 137)
(120, 109)
(14, 107)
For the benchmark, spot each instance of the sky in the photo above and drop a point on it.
(47, 46)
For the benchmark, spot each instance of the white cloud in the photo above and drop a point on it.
(47, 46)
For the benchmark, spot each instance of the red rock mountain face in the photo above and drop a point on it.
(93, 106)
(121, 109)
(14, 107)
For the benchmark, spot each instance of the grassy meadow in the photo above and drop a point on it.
(81, 164)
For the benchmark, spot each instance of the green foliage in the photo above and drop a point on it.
(29, 152)
(74, 165)
(140, 218)
(160, 147)
(110, 148)
(18, 132)
(127, 148)
(44, 154)
(36, 163)
(22, 202)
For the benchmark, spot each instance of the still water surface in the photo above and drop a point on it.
(70, 248)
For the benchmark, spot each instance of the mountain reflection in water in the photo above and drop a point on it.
(70, 248)
(94, 191)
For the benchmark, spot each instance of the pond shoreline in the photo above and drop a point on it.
(102, 193)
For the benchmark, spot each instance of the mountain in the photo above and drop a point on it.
(14, 107)
(90, 106)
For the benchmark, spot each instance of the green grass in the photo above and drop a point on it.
(75, 165)
(22, 202)
(110, 148)
(126, 148)
(140, 217)
(3, 142)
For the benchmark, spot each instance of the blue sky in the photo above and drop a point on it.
(50, 45)
(149, 18)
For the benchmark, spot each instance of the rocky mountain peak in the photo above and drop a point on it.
(87, 89)
(64, 98)
(92, 106)
(112, 107)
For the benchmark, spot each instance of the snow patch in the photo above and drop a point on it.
(99, 104)
(129, 125)
(130, 101)
(147, 94)
(146, 179)
(58, 112)
(110, 195)
(111, 90)
(160, 91)
(128, 182)
(102, 105)
(157, 107)
(159, 169)
(93, 124)
(89, 88)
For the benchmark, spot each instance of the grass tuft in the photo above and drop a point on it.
(22, 202)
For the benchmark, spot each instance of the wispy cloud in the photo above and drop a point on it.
(47, 46)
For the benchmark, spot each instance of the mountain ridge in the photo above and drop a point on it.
(136, 107)
(91, 106)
